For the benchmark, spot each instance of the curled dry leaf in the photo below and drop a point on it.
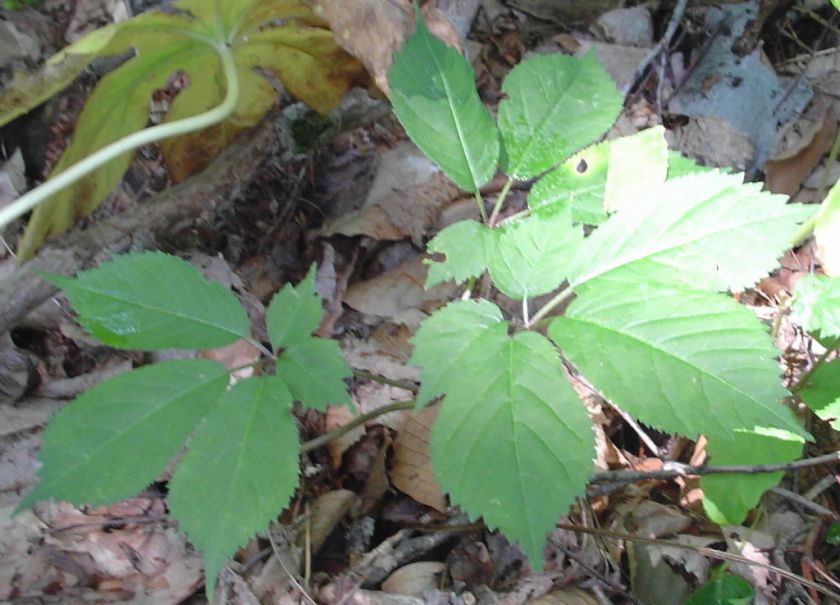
(327, 510)
(337, 416)
(411, 470)
(414, 578)
(372, 30)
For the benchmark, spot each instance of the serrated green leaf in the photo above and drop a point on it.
(239, 472)
(704, 231)
(680, 360)
(555, 106)
(294, 313)
(314, 371)
(454, 331)
(679, 165)
(822, 393)
(294, 45)
(578, 183)
(724, 590)
(827, 232)
(529, 258)
(465, 245)
(113, 440)
(832, 534)
(817, 305)
(728, 498)
(151, 301)
(637, 163)
(511, 443)
(434, 96)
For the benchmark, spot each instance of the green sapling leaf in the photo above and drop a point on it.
(433, 94)
(822, 393)
(680, 360)
(728, 498)
(706, 231)
(150, 301)
(827, 232)
(239, 472)
(638, 163)
(113, 440)
(511, 443)
(817, 305)
(555, 106)
(723, 589)
(465, 245)
(312, 368)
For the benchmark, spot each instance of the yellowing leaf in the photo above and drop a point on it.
(281, 36)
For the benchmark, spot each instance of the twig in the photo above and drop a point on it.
(402, 384)
(805, 503)
(671, 470)
(664, 41)
(358, 421)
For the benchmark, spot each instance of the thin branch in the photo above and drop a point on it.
(676, 17)
(402, 384)
(358, 421)
(671, 470)
(547, 308)
(500, 200)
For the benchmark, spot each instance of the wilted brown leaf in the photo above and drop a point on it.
(411, 469)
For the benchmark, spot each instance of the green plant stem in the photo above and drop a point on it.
(402, 384)
(324, 439)
(561, 297)
(803, 380)
(480, 202)
(500, 199)
(27, 202)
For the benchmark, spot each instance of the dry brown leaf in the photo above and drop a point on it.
(372, 30)
(377, 484)
(411, 468)
(235, 355)
(786, 174)
(414, 578)
(566, 596)
(337, 416)
(327, 510)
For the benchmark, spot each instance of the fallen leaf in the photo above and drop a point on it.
(411, 466)
(414, 578)
(337, 416)
(327, 510)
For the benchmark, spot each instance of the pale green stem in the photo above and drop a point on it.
(497, 207)
(357, 421)
(561, 297)
(481, 209)
(84, 167)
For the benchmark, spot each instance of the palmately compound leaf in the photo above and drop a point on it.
(822, 393)
(434, 96)
(294, 313)
(705, 231)
(113, 440)
(150, 301)
(555, 106)
(465, 246)
(512, 443)
(727, 498)
(239, 472)
(817, 305)
(279, 36)
(680, 360)
(529, 257)
(578, 183)
(637, 162)
(312, 368)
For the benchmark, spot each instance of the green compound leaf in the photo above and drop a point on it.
(817, 305)
(555, 106)
(822, 393)
(728, 498)
(465, 246)
(827, 232)
(529, 257)
(680, 360)
(511, 443)
(113, 440)
(706, 231)
(239, 472)
(578, 183)
(294, 313)
(434, 96)
(525, 258)
(151, 301)
(726, 589)
(637, 163)
(314, 370)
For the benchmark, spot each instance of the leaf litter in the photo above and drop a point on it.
(384, 303)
